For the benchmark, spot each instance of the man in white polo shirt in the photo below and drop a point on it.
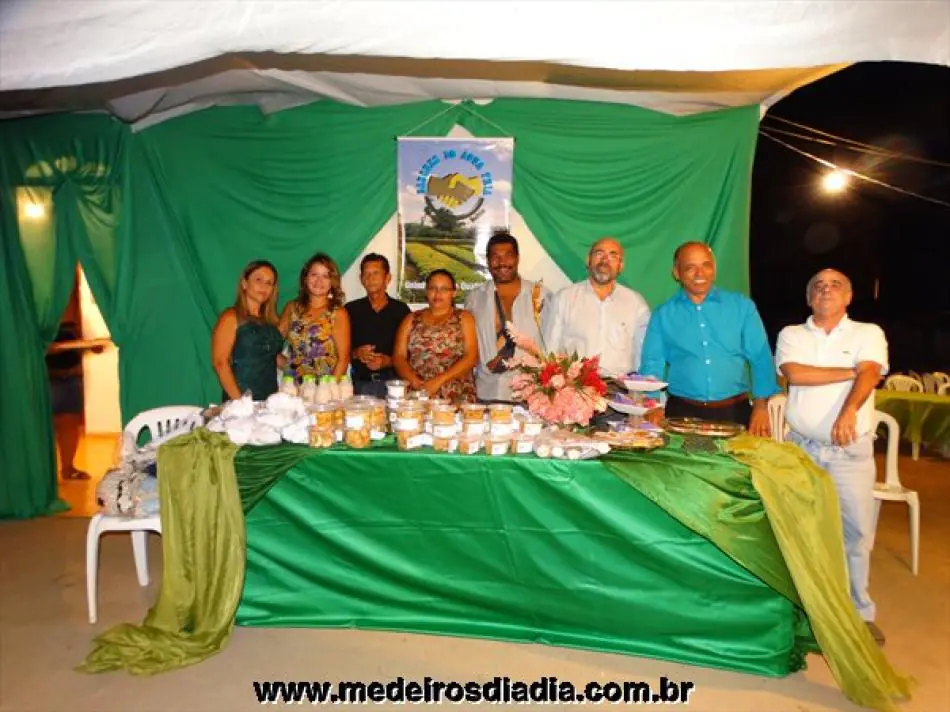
(833, 365)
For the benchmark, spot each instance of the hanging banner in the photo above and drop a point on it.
(452, 195)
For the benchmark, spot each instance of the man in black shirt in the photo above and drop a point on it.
(374, 321)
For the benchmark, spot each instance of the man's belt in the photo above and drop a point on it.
(724, 403)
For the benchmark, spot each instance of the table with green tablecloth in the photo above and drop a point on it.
(924, 418)
(728, 558)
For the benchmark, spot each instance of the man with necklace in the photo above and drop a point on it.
(506, 298)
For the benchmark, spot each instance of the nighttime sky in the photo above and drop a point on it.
(870, 233)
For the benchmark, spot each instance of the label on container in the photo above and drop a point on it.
(499, 448)
(396, 392)
(469, 447)
(523, 447)
(416, 441)
(377, 434)
(339, 436)
(531, 429)
(406, 424)
(445, 431)
(500, 428)
(473, 428)
(355, 422)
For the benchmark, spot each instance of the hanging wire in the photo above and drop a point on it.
(829, 164)
(469, 109)
(851, 144)
(450, 107)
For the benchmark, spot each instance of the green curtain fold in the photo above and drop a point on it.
(55, 174)
(585, 170)
(163, 221)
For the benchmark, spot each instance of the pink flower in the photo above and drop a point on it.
(557, 382)
(575, 370)
(521, 340)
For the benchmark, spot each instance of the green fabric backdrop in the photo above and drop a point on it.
(163, 220)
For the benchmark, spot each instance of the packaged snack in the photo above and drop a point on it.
(412, 440)
(357, 426)
(497, 444)
(396, 389)
(469, 444)
(322, 437)
(444, 444)
(323, 416)
(522, 444)
(410, 417)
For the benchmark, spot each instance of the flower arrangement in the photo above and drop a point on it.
(558, 388)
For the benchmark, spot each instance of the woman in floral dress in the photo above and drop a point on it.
(437, 347)
(315, 324)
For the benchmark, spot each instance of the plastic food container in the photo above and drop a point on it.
(322, 437)
(323, 416)
(497, 444)
(531, 425)
(406, 440)
(443, 414)
(357, 426)
(410, 417)
(444, 444)
(396, 389)
(522, 444)
(469, 444)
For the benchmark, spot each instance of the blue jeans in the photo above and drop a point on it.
(853, 471)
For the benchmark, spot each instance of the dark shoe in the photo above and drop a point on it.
(876, 633)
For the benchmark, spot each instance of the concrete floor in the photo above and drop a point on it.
(44, 633)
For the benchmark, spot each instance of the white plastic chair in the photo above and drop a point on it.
(898, 382)
(944, 389)
(930, 383)
(891, 490)
(941, 378)
(777, 416)
(163, 424)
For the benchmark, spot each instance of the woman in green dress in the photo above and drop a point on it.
(246, 343)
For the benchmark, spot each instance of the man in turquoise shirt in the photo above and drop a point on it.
(702, 339)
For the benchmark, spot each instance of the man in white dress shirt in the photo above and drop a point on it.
(599, 316)
(507, 297)
(833, 365)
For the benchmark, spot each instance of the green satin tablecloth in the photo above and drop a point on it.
(666, 554)
(924, 418)
(509, 548)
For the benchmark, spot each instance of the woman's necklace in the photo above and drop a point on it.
(436, 319)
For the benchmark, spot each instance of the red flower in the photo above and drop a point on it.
(548, 372)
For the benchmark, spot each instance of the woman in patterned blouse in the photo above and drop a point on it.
(315, 324)
(437, 347)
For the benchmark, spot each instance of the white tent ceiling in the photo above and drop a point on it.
(147, 60)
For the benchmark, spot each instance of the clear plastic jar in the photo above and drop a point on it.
(410, 417)
(322, 437)
(469, 444)
(357, 426)
(496, 445)
(444, 444)
(378, 420)
(443, 414)
(472, 412)
(322, 415)
(522, 444)
(406, 440)
(531, 425)
(396, 389)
